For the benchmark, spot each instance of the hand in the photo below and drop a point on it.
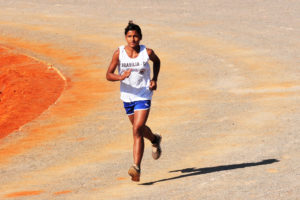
(153, 85)
(126, 74)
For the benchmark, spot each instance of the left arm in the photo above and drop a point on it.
(156, 67)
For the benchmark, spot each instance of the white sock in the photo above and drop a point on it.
(137, 167)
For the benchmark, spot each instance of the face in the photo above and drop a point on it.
(133, 38)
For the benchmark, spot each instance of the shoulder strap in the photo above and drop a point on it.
(121, 51)
(144, 51)
(121, 47)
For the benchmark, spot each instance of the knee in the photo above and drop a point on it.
(138, 131)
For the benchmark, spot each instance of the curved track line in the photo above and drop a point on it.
(77, 100)
(28, 88)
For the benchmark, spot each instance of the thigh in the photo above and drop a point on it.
(140, 117)
(131, 118)
(129, 108)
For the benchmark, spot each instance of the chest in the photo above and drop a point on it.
(125, 62)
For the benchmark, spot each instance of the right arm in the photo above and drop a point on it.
(110, 74)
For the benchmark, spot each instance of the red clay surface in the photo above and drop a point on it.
(27, 88)
(78, 98)
(23, 193)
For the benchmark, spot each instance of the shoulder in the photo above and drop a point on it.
(116, 54)
(153, 57)
(149, 51)
(117, 51)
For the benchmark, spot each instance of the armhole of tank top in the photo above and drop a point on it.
(120, 52)
(146, 52)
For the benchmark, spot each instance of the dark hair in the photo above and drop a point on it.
(133, 27)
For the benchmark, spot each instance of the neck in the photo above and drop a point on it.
(136, 48)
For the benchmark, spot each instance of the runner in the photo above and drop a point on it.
(136, 91)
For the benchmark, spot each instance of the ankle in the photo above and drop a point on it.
(155, 140)
(137, 167)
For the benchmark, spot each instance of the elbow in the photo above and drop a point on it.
(108, 77)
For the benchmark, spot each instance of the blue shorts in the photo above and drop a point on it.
(130, 107)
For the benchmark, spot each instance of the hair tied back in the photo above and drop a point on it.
(133, 27)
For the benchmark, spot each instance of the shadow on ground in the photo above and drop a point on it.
(194, 171)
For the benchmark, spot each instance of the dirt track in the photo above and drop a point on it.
(227, 103)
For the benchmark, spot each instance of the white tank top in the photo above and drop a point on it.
(136, 86)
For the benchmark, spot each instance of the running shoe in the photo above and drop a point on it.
(135, 173)
(156, 149)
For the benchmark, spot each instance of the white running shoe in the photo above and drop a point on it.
(135, 173)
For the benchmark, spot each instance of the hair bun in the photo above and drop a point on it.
(133, 27)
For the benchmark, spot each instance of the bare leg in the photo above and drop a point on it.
(140, 130)
(147, 133)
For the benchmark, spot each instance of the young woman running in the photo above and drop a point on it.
(136, 91)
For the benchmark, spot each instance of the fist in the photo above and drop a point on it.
(153, 85)
(126, 74)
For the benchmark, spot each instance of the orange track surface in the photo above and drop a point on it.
(27, 88)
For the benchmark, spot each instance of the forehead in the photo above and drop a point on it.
(132, 32)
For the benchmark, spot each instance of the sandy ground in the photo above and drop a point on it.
(227, 103)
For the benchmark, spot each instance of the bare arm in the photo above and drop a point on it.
(110, 74)
(156, 67)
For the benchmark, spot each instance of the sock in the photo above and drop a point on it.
(137, 167)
